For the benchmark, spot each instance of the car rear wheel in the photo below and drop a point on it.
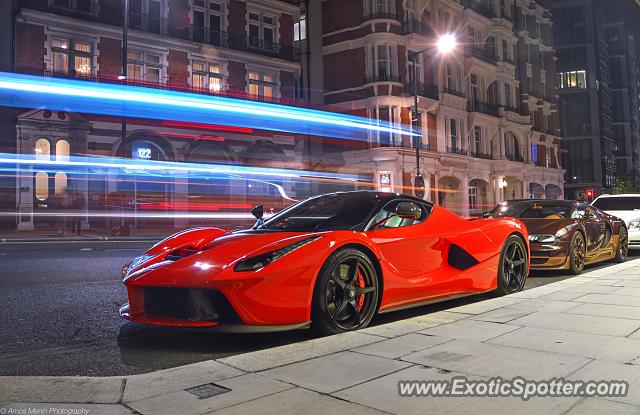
(577, 253)
(346, 293)
(514, 266)
(623, 245)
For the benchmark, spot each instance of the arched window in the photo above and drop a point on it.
(42, 149)
(63, 150)
(60, 180)
(42, 185)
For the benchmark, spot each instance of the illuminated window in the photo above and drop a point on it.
(62, 150)
(42, 185)
(300, 29)
(61, 183)
(71, 57)
(206, 76)
(262, 85)
(42, 149)
(572, 79)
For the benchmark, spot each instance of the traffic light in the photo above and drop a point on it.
(589, 195)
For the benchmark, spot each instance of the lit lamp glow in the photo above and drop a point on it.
(446, 43)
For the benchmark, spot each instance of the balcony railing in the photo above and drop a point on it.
(146, 23)
(480, 155)
(84, 9)
(453, 92)
(483, 107)
(456, 150)
(515, 157)
(415, 26)
(429, 91)
(481, 53)
(382, 78)
(480, 8)
(381, 15)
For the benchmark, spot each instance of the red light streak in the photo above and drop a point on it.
(214, 127)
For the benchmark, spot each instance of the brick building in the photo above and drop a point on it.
(487, 111)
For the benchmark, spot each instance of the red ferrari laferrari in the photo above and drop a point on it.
(331, 261)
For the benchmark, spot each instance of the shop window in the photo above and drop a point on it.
(63, 150)
(42, 185)
(60, 183)
(43, 149)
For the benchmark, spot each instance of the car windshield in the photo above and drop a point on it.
(326, 213)
(532, 211)
(617, 203)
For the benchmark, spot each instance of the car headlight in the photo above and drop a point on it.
(260, 261)
(542, 238)
(134, 264)
(634, 225)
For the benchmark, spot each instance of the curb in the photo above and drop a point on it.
(82, 239)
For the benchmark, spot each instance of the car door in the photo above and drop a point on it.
(595, 229)
(413, 253)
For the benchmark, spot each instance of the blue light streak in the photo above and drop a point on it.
(27, 91)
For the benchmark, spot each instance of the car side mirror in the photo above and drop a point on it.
(258, 211)
(487, 214)
(408, 210)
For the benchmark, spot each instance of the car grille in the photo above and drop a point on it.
(192, 304)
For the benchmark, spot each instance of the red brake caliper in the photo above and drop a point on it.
(361, 285)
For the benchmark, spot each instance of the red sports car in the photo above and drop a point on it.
(331, 261)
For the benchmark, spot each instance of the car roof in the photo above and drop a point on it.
(541, 202)
(376, 195)
(619, 195)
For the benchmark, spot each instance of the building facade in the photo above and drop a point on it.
(487, 112)
(598, 88)
(231, 47)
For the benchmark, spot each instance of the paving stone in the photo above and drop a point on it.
(593, 288)
(628, 283)
(296, 352)
(629, 300)
(501, 315)
(298, 401)
(400, 346)
(620, 349)
(470, 329)
(634, 291)
(382, 393)
(543, 305)
(602, 406)
(66, 408)
(492, 360)
(607, 326)
(601, 370)
(402, 327)
(336, 371)
(178, 378)
(562, 295)
(60, 389)
(243, 389)
(607, 310)
(539, 291)
(603, 281)
(486, 305)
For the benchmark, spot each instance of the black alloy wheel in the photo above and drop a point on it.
(577, 253)
(623, 245)
(346, 293)
(514, 266)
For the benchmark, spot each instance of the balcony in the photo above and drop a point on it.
(481, 53)
(146, 23)
(383, 78)
(84, 9)
(452, 91)
(415, 26)
(242, 42)
(480, 155)
(480, 8)
(381, 15)
(428, 91)
(456, 150)
(515, 157)
(483, 107)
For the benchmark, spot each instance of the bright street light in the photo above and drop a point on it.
(446, 43)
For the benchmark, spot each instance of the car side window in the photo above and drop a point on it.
(399, 213)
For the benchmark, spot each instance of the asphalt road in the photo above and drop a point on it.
(59, 316)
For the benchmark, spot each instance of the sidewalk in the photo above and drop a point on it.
(587, 327)
(52, 235)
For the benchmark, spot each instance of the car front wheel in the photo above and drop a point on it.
(514, 266)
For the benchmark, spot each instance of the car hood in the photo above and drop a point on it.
(626, 215)
(214, 256)
(545, 226)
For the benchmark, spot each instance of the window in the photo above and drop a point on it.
(453, 130)
(451, 84)
(82, 6)
(546, 122)
(381, 62)
(503, 8)
(472, 37)
(527, 50)
(383, 116)
(144, 66)
(534, 152)
(415, 60)
(63, 150)
(42, 149)
(397, 214)
(543, 85)
(572, 79)
(262, 85)
(208, 22)
(380, 8)
(477, 139)
(505, 50)
(145, 15)
(300, 29)
(473, 198)
(542, 62)
(475, 97)
(72, 57)
(206, 76)
(507, 95)
(42, 185)
(262, 31)
(60, 183)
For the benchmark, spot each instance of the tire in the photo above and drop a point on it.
(577, 253)
(346, 294)
(513, 266)
(622, 250)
